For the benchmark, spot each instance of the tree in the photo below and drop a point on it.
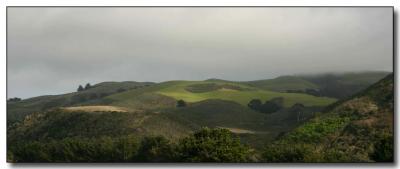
(255, 104)
(80, 88)
(155, 149)
(212, 145)
(180, 103)
(272, 105)
(87, 86)
(15, 99)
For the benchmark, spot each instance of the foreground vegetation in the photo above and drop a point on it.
(206, 145)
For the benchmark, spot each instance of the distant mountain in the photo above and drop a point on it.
(357, 129)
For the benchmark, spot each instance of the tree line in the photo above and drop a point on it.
(205, 145)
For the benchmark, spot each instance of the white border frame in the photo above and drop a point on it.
(4, 4)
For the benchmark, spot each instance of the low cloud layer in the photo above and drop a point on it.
(52, 50)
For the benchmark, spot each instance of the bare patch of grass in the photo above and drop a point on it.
(95, 109)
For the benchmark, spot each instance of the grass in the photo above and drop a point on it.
(94, 109)
(283, 83)
(178, 91)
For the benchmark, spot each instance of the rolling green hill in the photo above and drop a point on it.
(359, 125)
(283, 83)
(140, 95)
(241, 94)
(16, 111)
(151, 109)
(334, 85)
(258, 127)
(343, 85)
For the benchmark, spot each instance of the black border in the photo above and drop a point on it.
(176, 164)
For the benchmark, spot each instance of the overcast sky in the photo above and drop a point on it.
(53, 50)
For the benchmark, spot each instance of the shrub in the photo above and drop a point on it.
(180, 103)
(212, 145)
(155, 149)
(255, 104)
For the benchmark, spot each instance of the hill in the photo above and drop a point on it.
(334, 85)
(16, 111)
(343, 85)
(253, 127)
(358, 129)
(145, 95)
(361, 125)
(150, 109)
(236, 92)
(283, 84)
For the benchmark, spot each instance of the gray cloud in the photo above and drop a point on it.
(52, 50)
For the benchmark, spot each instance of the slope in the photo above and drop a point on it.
(334, 85)
(343, 85)
(358, 129)
(258, 127)
(16, 111)
(283, 84)
(236, 92)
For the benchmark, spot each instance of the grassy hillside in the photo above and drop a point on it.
(339, 85)
(212, 104)
(359, 129)
(138, 95)
(344, 85)
(283, 83)
(259, 127)
(16, 111)
(241, 94)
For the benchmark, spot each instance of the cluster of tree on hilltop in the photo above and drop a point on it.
(15, 99)
(87, 86)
